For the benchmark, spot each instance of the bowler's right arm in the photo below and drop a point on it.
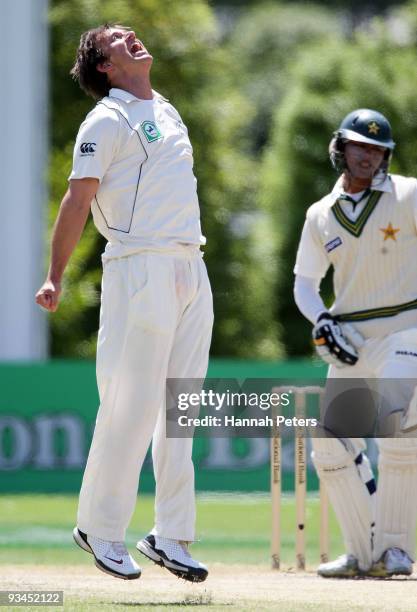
(69, 225)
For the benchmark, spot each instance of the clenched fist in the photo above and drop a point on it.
(48, 295)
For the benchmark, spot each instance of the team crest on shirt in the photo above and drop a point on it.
(333, 244)
(151, 131)
(390, 232)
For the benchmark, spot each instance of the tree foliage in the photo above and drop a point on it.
(261, 89)
(329, 81)
(193, 71)
(264, 44)
(354, 6)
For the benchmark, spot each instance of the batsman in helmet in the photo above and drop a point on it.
(366, 229)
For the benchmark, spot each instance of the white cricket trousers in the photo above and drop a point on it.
(155, 323)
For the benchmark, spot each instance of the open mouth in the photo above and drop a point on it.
(135, 48)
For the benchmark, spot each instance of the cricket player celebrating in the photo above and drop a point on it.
(133, 165)
(366, 228)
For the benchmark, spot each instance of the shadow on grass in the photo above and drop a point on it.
(167, 604)
(193, 600)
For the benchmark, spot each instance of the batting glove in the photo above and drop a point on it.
(352, 335)
(330, 343)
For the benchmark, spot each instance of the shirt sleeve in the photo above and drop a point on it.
(95, 146)
(307, 297)
(311, 258)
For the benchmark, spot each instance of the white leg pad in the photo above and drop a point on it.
(396, 511)
(349, 496)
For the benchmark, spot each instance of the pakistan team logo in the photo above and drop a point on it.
(151, 131)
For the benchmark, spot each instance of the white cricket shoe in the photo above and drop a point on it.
(174, 555)
(110, 557)
(345, 566)
(394, 562)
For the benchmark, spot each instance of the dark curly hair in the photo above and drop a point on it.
(89, 55)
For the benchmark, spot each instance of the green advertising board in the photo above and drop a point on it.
(47, 414)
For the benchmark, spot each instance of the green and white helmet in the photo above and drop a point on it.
(362, 125)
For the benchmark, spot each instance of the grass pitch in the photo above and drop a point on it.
(37, 553)
(230, 529)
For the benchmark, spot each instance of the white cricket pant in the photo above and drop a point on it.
(155, 323)
(383, 359)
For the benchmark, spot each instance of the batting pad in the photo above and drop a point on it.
(396, 511)
(348, 495)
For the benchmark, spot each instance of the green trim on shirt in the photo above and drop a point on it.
(356, 227)
(377, 313)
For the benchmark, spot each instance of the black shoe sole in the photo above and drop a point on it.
(190, 575)
(78, 538)
(106, 570)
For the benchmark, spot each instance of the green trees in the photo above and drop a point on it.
(261, 96)
(354, 6)
(329, 81)
(264, 45)
(193, 71)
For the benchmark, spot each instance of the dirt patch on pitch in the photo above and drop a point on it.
(228, 587)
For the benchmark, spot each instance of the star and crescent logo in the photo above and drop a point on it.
(389, 232)
(373, 127)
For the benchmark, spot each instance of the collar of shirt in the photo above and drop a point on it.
(126, 96)
(377, 185)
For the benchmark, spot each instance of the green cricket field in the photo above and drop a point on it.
(37, 554)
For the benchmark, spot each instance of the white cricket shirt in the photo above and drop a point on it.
(140, 152)
(373, 249)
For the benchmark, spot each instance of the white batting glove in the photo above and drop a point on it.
(352, 335)
(330, 343)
